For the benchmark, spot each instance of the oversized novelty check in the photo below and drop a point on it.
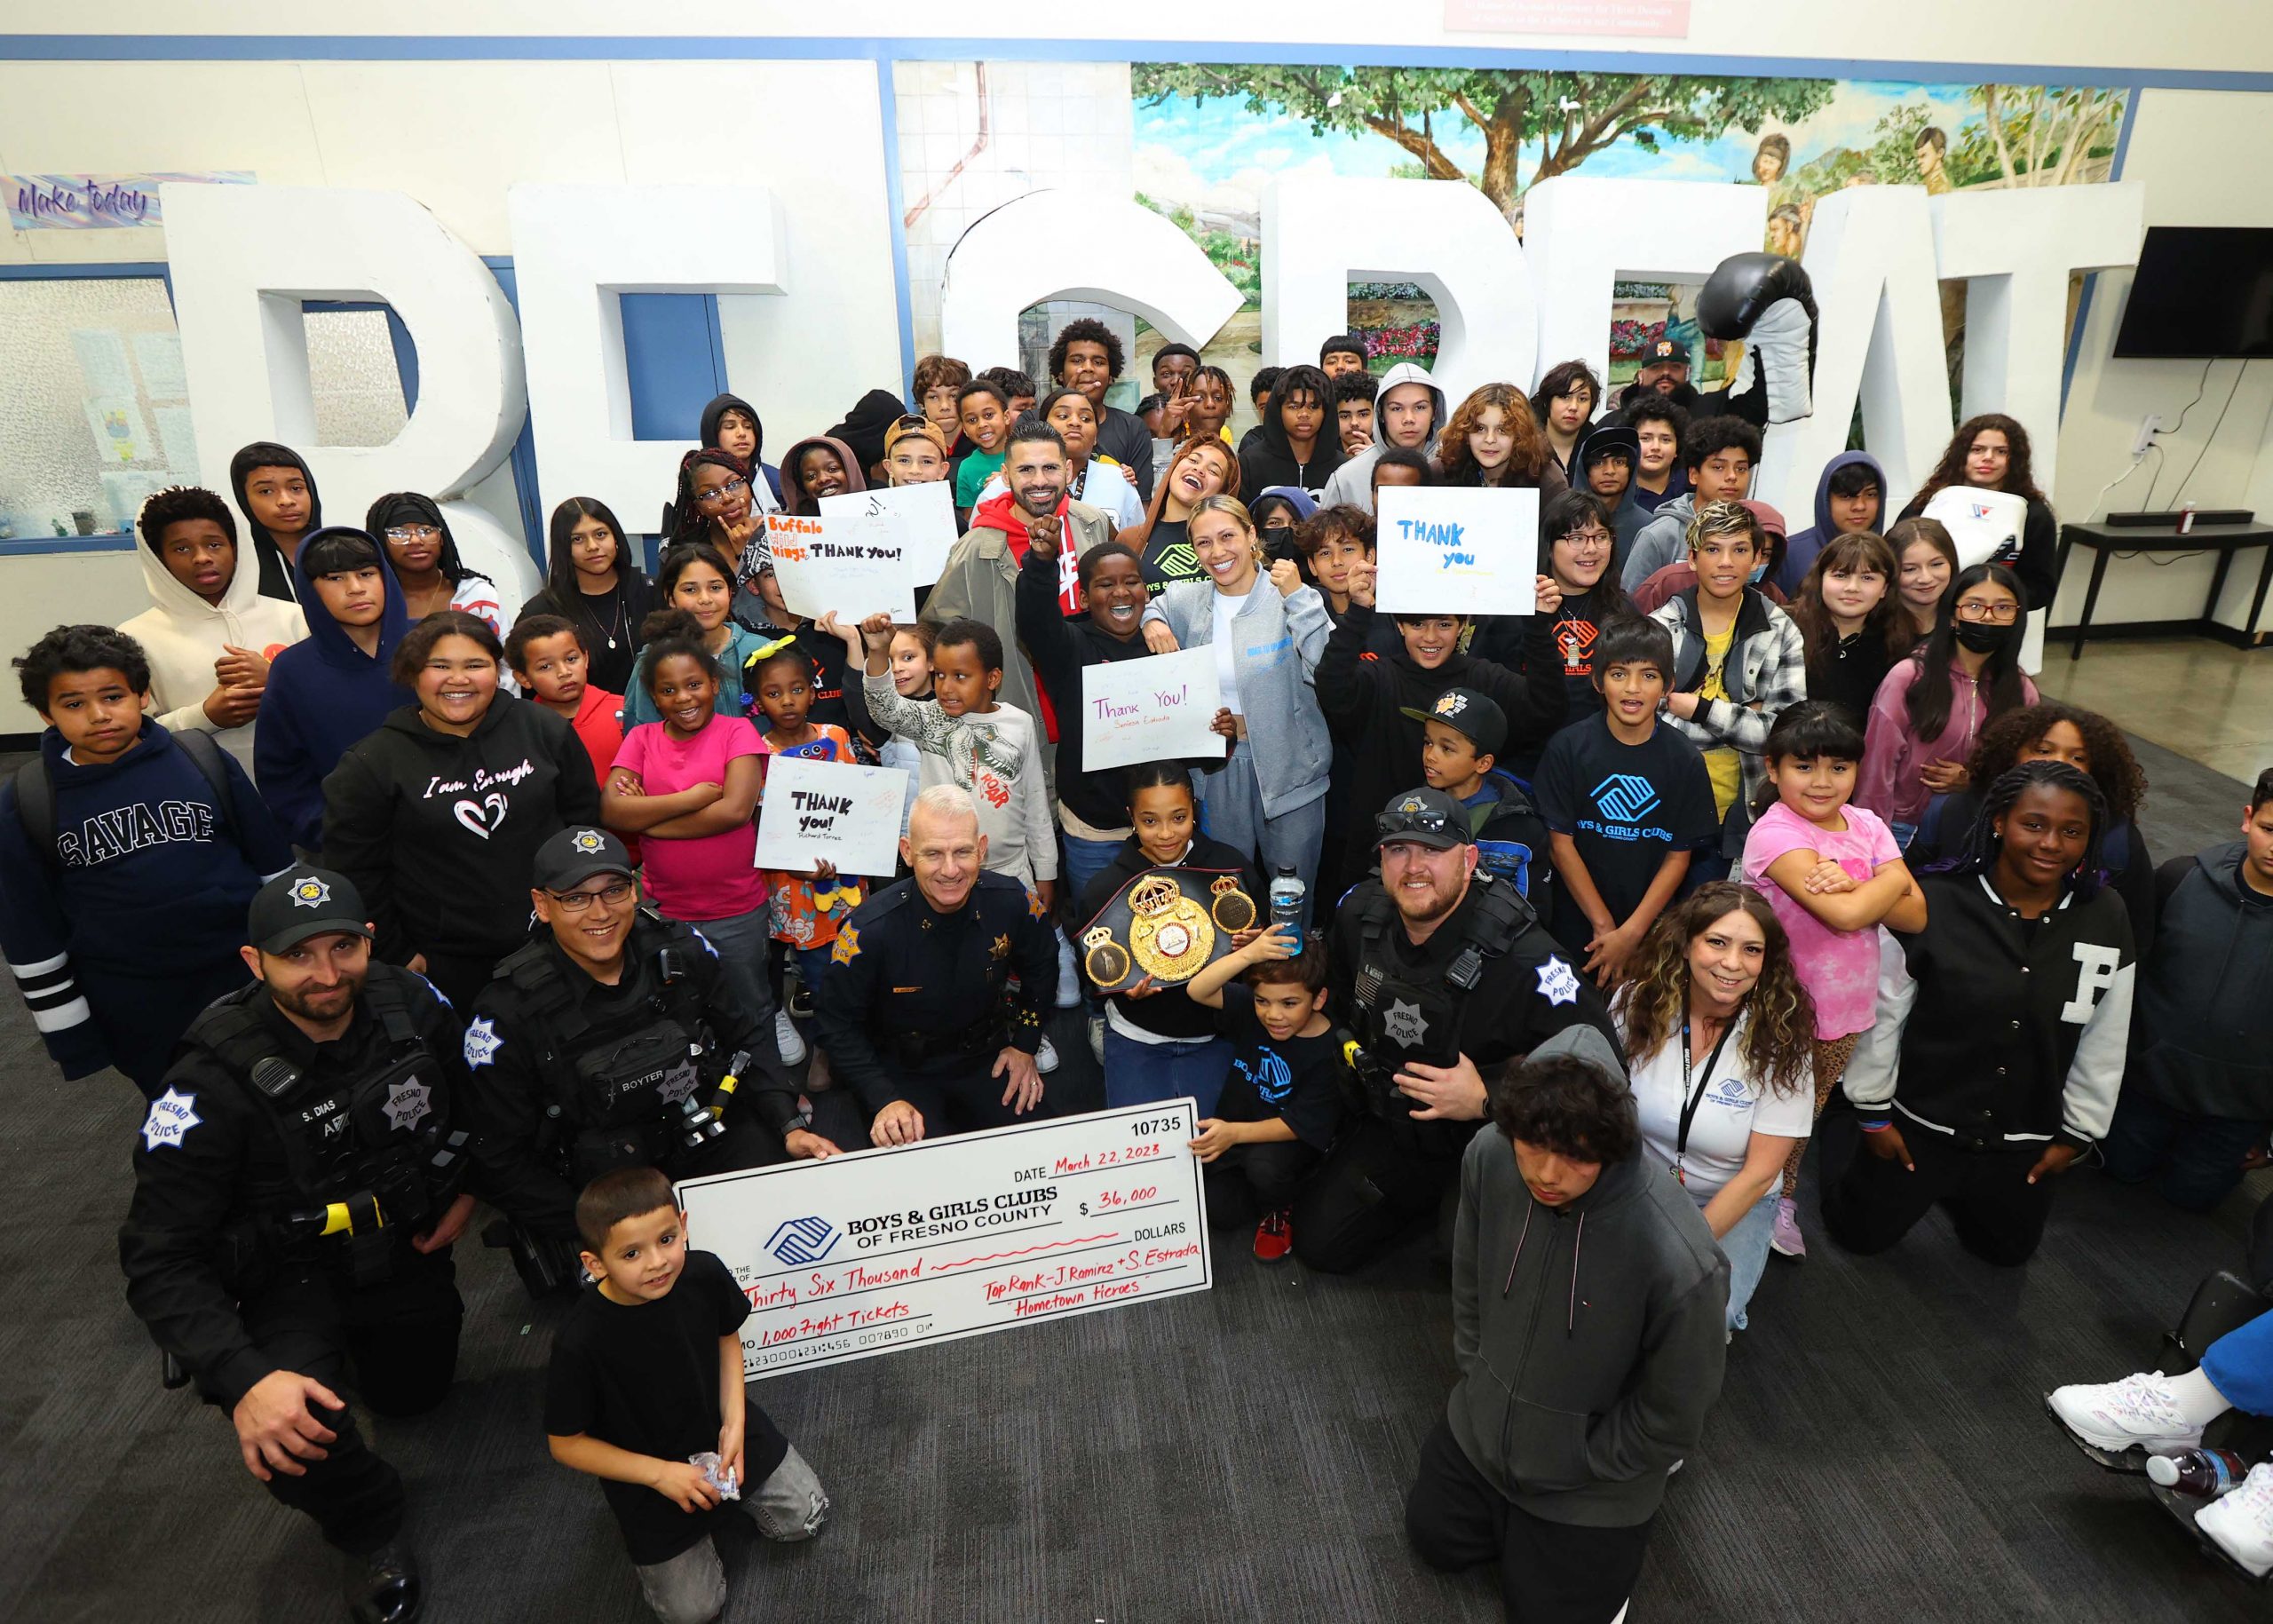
(884, 1249)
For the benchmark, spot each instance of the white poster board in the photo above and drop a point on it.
(880, 1249)
(1154, 709)
(836, 811)
(855, 564)
(1453, 550)
(928, 511)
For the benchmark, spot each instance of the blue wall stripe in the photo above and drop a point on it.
(895, 199)
(84, 271)
(427, 48)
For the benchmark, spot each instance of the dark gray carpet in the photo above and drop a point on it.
(1878, 1451)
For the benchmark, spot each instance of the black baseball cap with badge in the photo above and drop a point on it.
(1424, 816)
(575, 855)
(302, 902)
(1668, 350)
(1474, 715)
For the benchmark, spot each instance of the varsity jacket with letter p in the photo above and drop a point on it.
(1989, 1028)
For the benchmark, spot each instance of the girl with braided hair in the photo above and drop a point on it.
(2051, 730)
(2001, 1028)
(1719, 1043)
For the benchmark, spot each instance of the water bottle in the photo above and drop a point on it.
(1287, 905)
(2204, 1474)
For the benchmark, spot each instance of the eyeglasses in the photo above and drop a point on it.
(2002, 614)
(577, 901)
(1588, 538)
(717, 493)
(412, 533)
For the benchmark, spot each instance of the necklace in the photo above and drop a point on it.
(615, 620)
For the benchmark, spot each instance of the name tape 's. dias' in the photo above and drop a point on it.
(883, 1249)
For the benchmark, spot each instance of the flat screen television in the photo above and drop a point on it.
(2200, 292)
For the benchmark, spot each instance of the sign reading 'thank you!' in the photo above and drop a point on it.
(1161, 707)
(1457, 551)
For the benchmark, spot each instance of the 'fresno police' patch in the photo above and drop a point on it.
(481, 1041)
(171, 1116)
(1557, 982)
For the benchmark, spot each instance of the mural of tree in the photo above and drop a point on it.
(1572, 116)
(2041, 134)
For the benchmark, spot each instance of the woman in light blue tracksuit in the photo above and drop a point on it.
(1269, 799)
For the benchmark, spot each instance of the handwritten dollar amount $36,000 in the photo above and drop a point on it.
(884, 1249)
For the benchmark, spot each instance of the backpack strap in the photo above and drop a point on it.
(36, 808)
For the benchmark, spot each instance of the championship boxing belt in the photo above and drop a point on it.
(1766, 300)
(1167, 923)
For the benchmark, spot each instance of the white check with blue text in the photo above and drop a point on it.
(885, 1249)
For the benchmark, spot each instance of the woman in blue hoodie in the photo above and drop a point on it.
(333, 688)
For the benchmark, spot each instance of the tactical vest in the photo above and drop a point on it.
(372, 1157)
(619, 1089)
(1400, 1016)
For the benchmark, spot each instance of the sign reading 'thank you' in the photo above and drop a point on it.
(1161, 707)
(1456, 551)
(830, 811)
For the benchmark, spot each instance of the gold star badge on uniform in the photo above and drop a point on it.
(1002, 948)
(848, 946)
(1035, 907)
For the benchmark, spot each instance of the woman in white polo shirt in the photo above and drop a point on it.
(1719, 1043)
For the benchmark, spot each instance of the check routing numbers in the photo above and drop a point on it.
(867, 1253)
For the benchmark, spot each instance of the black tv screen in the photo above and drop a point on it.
(2200, 292)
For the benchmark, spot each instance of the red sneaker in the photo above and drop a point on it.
(1274, 1237)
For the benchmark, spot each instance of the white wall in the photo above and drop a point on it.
(2194, 153)
(45, 589)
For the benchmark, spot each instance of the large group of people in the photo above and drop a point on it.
(1597, 907)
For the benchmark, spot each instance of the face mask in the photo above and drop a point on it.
(1983, 636)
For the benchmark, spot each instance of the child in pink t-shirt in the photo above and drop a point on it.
(1834, 875)
(688, 785)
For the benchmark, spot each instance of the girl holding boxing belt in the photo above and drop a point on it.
(2001, 1029)
(1991, 452)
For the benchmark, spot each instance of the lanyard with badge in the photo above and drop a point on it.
(1691, 1099)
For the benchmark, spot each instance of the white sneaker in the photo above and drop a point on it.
(2241, 1523)
(785, 1037)
(1045, 1058)
(1069, 980)
(2139, 1412)
(1097, 1037)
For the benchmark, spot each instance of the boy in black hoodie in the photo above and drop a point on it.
(278, 496)
(1301, 445)
(1378, 702)
(119, 824)
(1557, 1442)
(2199, 1095)
(732, 425)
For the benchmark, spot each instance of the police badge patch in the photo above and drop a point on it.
(1557, 982)
(407, 1105)
(172, 1114)
(481, 1041)
(1405, 1024)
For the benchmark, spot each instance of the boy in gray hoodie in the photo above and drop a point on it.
(1412, 419)
(1588, 1304)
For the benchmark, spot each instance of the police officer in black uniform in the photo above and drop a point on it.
(607, 1042)
(916, 1012)
(1443, 972)
(296, 1190)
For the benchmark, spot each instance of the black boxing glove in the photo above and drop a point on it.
(1766, 300)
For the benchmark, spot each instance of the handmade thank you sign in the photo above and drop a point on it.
(928, 511)
(1161, 707)
(1456, 551)
(830, 811)
(855, 564)
(880, 1249)
(1167, 924)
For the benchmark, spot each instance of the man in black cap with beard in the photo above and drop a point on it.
(296, 1190)
(1443, 972)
